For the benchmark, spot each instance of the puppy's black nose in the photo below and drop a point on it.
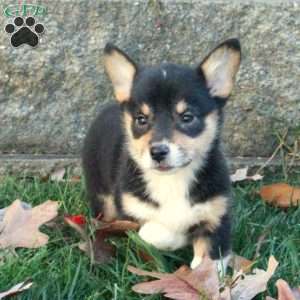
(159, 152)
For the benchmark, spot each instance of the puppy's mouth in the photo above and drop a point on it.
(164, 167)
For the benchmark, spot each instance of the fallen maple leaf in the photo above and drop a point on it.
(241, 175)
(20, 287)
(20, 226)
(184, 284)
(281, 195)
(96, 247)
(3, 210)
(285, 292)
(246, 287)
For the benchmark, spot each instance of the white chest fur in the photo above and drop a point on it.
(175, 211)
(171, 192)
(165, 226)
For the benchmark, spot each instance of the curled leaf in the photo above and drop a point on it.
(281, 195)
(241, 175)
(246, 287)
(96, 246)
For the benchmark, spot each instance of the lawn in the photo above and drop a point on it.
(60, 270)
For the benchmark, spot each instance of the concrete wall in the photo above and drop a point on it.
(49, 95)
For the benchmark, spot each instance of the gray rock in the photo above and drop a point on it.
(49, 95)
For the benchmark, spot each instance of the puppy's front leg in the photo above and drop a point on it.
(213, 241)
(161, 237)
(201, 247)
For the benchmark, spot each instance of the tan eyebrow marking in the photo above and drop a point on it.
(181, 106)
(145, 109)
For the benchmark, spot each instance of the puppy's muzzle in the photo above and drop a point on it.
(159, 152)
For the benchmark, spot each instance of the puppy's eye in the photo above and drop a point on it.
(187, 117)
(141, 120)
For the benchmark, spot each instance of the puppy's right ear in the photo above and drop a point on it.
(121, 71)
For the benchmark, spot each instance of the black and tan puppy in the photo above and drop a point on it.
(155, 156)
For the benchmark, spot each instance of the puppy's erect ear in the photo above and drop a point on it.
(220, 67)
(121, 71)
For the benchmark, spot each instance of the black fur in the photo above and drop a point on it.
(109, 168)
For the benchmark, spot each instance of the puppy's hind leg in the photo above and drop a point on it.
(93, 188)
(93, 195)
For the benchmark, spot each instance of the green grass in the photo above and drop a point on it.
(60, 270)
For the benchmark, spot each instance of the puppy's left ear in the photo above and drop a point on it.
(220, 67)
(121, 71)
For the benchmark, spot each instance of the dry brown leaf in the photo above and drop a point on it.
(239, 263)
(20, 226)
(96, 247)
(285, 292)
(101, 249)
(241, 175)
(75, 179)
(246, 287)
(118, 227)
(225, 294)
(171, 287)
(58, 175)
(184, 284)
(3, 210)
(145, 256)
(141, 272)
(18, 288)
(281, 195)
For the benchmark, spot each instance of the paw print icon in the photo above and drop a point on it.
(24, 32)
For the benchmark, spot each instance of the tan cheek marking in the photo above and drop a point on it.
(139, 145)
(201, 247)
(144, 141)
(181, 107)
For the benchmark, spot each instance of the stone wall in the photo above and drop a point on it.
(50, 94)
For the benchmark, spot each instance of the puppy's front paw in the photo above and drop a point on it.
(197, 260)
(161, 237)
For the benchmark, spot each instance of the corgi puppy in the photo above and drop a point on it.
(155, 155)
